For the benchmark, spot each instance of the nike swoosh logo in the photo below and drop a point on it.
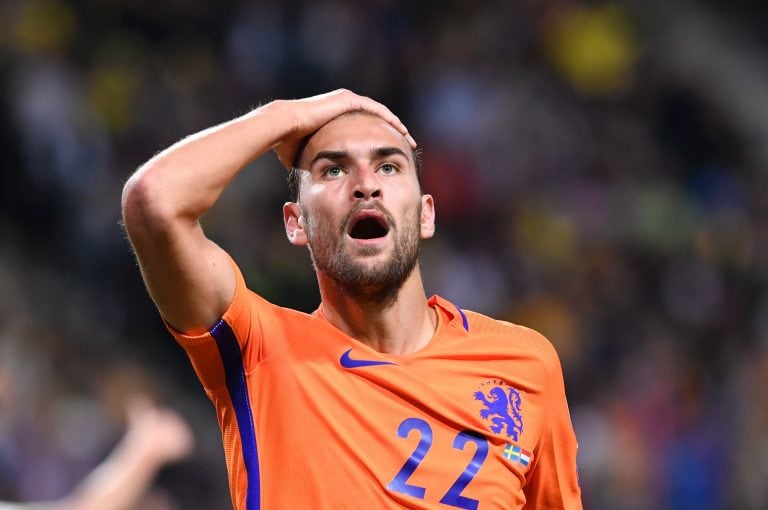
(348, 362)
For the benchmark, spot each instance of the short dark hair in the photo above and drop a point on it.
(294, 173)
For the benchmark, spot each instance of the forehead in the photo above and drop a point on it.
(356, 133)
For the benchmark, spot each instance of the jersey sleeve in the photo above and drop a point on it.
(553, 482)
(239, 323)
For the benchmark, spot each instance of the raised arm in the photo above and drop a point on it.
(155, 437)
(189, 277)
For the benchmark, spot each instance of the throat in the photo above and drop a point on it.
(404, 325)
(373, 298)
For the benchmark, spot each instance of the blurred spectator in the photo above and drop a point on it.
(154, 437)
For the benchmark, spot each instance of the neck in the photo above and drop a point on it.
(398, 322)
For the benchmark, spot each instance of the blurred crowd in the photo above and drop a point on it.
(599, 171)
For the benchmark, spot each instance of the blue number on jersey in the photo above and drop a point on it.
(453, 497)
(398, 482)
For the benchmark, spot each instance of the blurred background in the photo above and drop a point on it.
(600, 170)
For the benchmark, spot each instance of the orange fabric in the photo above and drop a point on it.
(336, 437)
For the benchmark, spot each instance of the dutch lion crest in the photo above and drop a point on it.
(502, 408)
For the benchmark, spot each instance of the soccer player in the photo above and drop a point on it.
(381, 398)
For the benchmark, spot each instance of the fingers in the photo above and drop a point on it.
(311, 113)
(366, 103)
(286, 152)
(341, 101)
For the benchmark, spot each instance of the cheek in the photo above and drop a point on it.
(319, 220)
(322, 197)
(320, 214)
(312, 189)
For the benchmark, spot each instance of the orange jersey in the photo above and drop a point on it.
(312, 418)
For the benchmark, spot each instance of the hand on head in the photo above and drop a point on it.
(312, 113)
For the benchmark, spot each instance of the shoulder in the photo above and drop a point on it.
(267, 313)
(529, 340)
(260, 325)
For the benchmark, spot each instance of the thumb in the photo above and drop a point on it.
(286, 152)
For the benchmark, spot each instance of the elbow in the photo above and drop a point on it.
(144, 206)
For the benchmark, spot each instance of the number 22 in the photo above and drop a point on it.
(453, 497)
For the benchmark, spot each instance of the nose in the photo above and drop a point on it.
(366, 184)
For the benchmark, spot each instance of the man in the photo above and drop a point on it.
(382, 398)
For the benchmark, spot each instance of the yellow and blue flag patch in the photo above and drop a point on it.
(516, 454)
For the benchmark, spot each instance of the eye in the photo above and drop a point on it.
(333, 171)
(388, 169)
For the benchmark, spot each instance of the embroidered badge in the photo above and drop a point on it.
(502, 407)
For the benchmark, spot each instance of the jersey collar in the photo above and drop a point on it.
(456, 316)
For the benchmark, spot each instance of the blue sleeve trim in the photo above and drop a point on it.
(232, 360)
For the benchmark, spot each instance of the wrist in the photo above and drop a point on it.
(281, 119)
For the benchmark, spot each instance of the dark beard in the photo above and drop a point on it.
(376, 285)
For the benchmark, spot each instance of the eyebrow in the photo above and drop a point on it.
(385, 152)
(376, 153)
(332, 155)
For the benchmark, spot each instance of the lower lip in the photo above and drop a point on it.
(374, 240)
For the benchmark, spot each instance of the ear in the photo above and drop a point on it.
(427, 220)
(295, 227)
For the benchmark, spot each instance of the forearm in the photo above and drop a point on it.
(118, 482)
(185, 180)
(155, 437)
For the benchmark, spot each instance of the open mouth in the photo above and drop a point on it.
(368, 227)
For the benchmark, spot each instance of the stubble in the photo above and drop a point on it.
(368, 284)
